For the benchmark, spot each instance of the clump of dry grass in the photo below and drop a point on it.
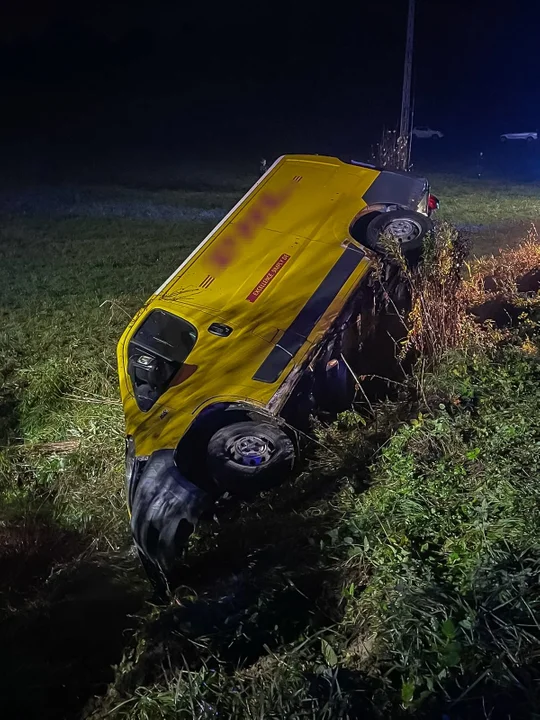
(502, 290)
(451, 300)
(438, 320)
(509, 272)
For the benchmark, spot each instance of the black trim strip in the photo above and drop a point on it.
(395, 189)
(297, 333)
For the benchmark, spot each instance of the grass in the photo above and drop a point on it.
(396, 576)
(67, 289)
(438, 604)
(451, 534)
(480, 202)
(495, 214)
(435, 599)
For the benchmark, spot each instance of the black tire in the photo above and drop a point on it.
(165, 510)
(391, 222)
(245, 475)
(530, 139)
(503, 139)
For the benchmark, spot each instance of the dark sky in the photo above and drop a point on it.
(262, 73)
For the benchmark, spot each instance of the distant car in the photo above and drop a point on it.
(527, 136)
(427, 133)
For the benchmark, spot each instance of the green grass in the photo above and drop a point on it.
(494, 213)
(435, 605)
(451, 533)
(382, 583)
(197, 194)
(67, 289)
(480, 202)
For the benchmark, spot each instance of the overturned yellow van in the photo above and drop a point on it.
(234, 350)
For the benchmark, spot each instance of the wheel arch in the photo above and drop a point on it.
(190, 452)
(358, 226)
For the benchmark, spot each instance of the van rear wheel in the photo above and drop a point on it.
(248, 457)
(407, 227)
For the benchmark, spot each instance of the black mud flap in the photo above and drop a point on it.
(165, 509)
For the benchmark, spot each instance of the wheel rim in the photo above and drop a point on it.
(251, 450)
(404, 229)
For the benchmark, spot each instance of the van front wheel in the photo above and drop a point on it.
(248, 457)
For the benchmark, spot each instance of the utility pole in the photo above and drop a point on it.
(405, 122)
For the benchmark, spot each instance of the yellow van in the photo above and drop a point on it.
(233, 351)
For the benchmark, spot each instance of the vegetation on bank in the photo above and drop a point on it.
(430, 555)
(431, 590)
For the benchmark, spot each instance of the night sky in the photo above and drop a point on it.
(290, 76)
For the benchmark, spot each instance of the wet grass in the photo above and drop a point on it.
(410, 592)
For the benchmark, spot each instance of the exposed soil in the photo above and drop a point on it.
(501, 310)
